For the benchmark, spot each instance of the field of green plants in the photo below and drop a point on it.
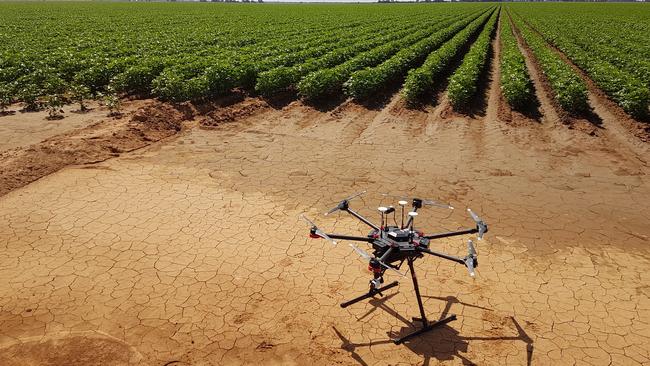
(53, 53)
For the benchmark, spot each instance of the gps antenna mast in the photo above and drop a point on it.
(402, 204)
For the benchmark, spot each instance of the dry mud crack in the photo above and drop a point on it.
(190, 251)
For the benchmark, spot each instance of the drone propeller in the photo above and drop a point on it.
(344, 203)
(480, 224)
(471, 259)
(316, 231)
(363, 254)
(437, 204)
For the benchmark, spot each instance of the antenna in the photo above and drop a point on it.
(402, 204)
(383, 210)
(413, 215)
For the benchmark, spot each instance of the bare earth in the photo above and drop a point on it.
(189, 251)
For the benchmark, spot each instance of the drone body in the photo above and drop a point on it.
(395, 244)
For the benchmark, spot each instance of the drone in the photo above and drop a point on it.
(395, 244)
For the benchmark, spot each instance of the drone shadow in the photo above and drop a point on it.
(380, 303)
(443, 343)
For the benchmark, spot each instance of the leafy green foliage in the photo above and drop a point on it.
(364, 83)
(5, 97)
(622, 75)
(78, 94)
(54, 105)
(516, 86)
(181, 52)
(421, 81)
(464, 82)
(568, 89)
(327, 82)
(112, 102)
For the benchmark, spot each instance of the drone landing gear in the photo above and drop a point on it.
(371, 293)
(426, 325)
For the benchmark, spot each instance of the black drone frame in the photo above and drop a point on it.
(409, 256)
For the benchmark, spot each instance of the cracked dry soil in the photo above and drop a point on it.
(190, 251)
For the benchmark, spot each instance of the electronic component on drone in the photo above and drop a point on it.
(393, 245)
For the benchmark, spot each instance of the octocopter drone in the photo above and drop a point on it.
(395, 244)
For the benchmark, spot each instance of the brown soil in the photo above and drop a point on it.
(86, 145)
(229, 113)
(70, 349)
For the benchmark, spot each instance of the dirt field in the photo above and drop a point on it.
(189, 250)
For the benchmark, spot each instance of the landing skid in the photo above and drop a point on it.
(370, 294)
(426, 325)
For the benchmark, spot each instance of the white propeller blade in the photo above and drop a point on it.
(318, 231)
(338, 207)
(470, 248)
(471, 256)
(482, 228)
(363, 254)
(437, 204)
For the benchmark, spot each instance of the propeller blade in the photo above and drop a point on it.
(471, 257)
(344, 203)
(363, 254)
(437, 204)
(469, 263)
(325, 236)
(356, 195)
(474, 216)
(424, 202)
(317, 231)
(332, 210)
(470, 248)
(306, 219)
(480, 224)
(391, 268)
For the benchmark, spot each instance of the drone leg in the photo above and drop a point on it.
(423, 317)
(426, 326)
(370, 294)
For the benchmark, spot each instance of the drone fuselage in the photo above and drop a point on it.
(393, 244)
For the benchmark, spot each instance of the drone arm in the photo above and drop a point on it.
(362, 219)
(443, 255)
(451, 233)
(352, 238)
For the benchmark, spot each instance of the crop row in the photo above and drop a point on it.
(139, 77)
(210, 76)
(174, 50)
(463, 84)
(327, 82)
(364, 83)
(568, 89)
(516, 86)
(282, 78)
(632, 94)
(623, 27)
(95, 64)
(421, 81)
